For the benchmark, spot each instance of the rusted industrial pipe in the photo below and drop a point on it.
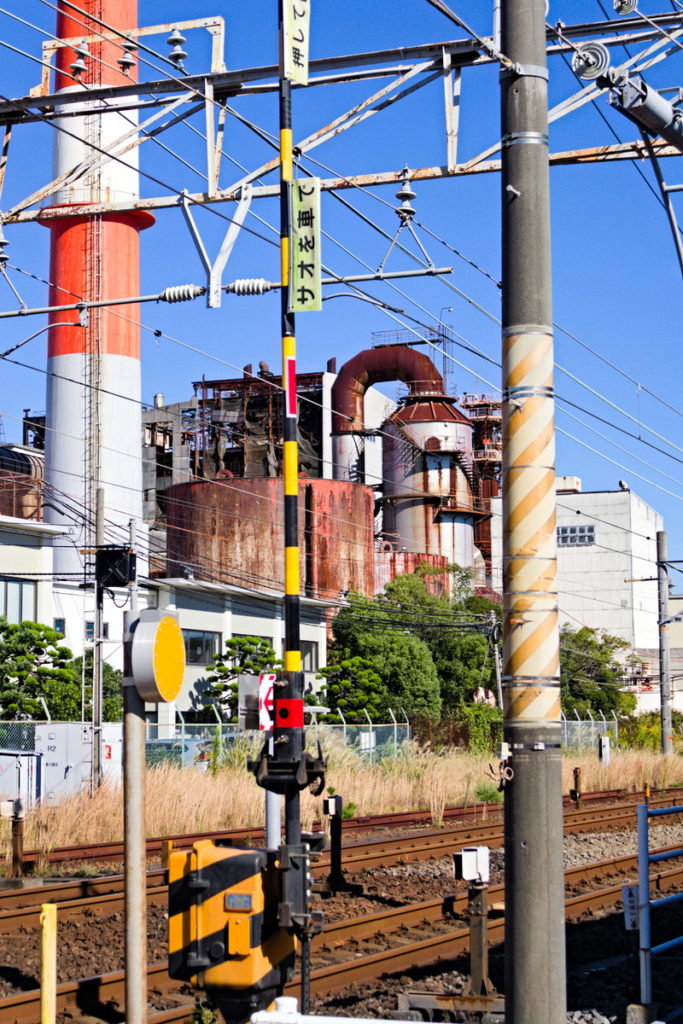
(372, 366)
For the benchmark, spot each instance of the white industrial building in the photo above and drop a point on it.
(209, 614)
(606, 561)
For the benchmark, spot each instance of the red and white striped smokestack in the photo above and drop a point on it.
(93, 435)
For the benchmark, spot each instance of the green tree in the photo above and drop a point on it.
(243, 655)
(464, 662)
(112, 688)
(33, 664)
(406, 667)
(591, 676)
(451, 629)
(353, 687)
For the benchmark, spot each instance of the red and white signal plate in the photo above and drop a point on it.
(266, 701)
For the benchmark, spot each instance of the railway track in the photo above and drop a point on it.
(21, 908)
(98, 996)
(113, 851)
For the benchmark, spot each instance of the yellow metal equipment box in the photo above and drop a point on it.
(223, 930)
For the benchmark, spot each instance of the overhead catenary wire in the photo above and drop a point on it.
(448, 284)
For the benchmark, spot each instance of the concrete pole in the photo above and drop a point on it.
(664, 662)
(97, 655)
(535, 989)
(135, 854)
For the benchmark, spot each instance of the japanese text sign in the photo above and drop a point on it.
(297, 18)
(305, 293)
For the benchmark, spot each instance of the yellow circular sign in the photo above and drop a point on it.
(169, 658)
(158, 657)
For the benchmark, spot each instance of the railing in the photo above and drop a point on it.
(493, 453)
(583, 734)
(486, 412)
(645, 904)
(454, 503)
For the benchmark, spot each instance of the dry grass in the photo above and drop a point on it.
(186, 800)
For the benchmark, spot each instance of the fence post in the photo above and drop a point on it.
(182, 736)
(644, 904)
(563, 719)
(372, 736)
(403, 711)
(393, 719)
(341, 715)
(616, 729)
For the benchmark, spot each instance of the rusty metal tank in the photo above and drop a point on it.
(21, 482)
(390, 563)
(428, 502)
(231, 531)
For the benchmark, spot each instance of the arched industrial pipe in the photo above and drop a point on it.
(373, 366)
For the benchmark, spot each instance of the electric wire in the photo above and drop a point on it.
(448, 284)
(492, 360)
(111, 67)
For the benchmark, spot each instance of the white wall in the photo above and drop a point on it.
(26, 550)
(598, 584)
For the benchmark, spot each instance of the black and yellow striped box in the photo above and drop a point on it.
(223, 930)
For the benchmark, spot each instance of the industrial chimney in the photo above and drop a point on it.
(93, 383)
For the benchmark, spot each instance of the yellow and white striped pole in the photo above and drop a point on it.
(48, 963)
(534, 884)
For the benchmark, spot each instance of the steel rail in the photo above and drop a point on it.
(113, 851)
(105, 895)
(93, 995)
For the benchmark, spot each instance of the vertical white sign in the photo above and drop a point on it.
(629, 895)
(305, 289)
(297, 20)
(266, 700)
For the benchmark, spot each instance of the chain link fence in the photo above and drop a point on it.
(202, 744)
(584, 733)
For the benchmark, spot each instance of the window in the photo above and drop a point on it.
(200, 646)
(309, 656)
(17, 600)
(59, 625)
(576, 536)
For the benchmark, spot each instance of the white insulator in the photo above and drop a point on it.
(182, 293)
(250, 286)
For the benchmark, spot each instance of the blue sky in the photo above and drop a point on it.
(617, 286)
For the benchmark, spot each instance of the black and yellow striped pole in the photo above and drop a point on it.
(289, 697)
(284, 766)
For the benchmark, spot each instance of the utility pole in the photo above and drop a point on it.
(535, 990)
(135, 851)
(663, 623)
(97, 653)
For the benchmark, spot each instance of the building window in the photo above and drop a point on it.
(59, 625)
(200, 646)
(576, 536)
(17, 600)
(309, 656)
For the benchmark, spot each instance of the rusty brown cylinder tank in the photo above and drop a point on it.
(390, 563)
(232, 532)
